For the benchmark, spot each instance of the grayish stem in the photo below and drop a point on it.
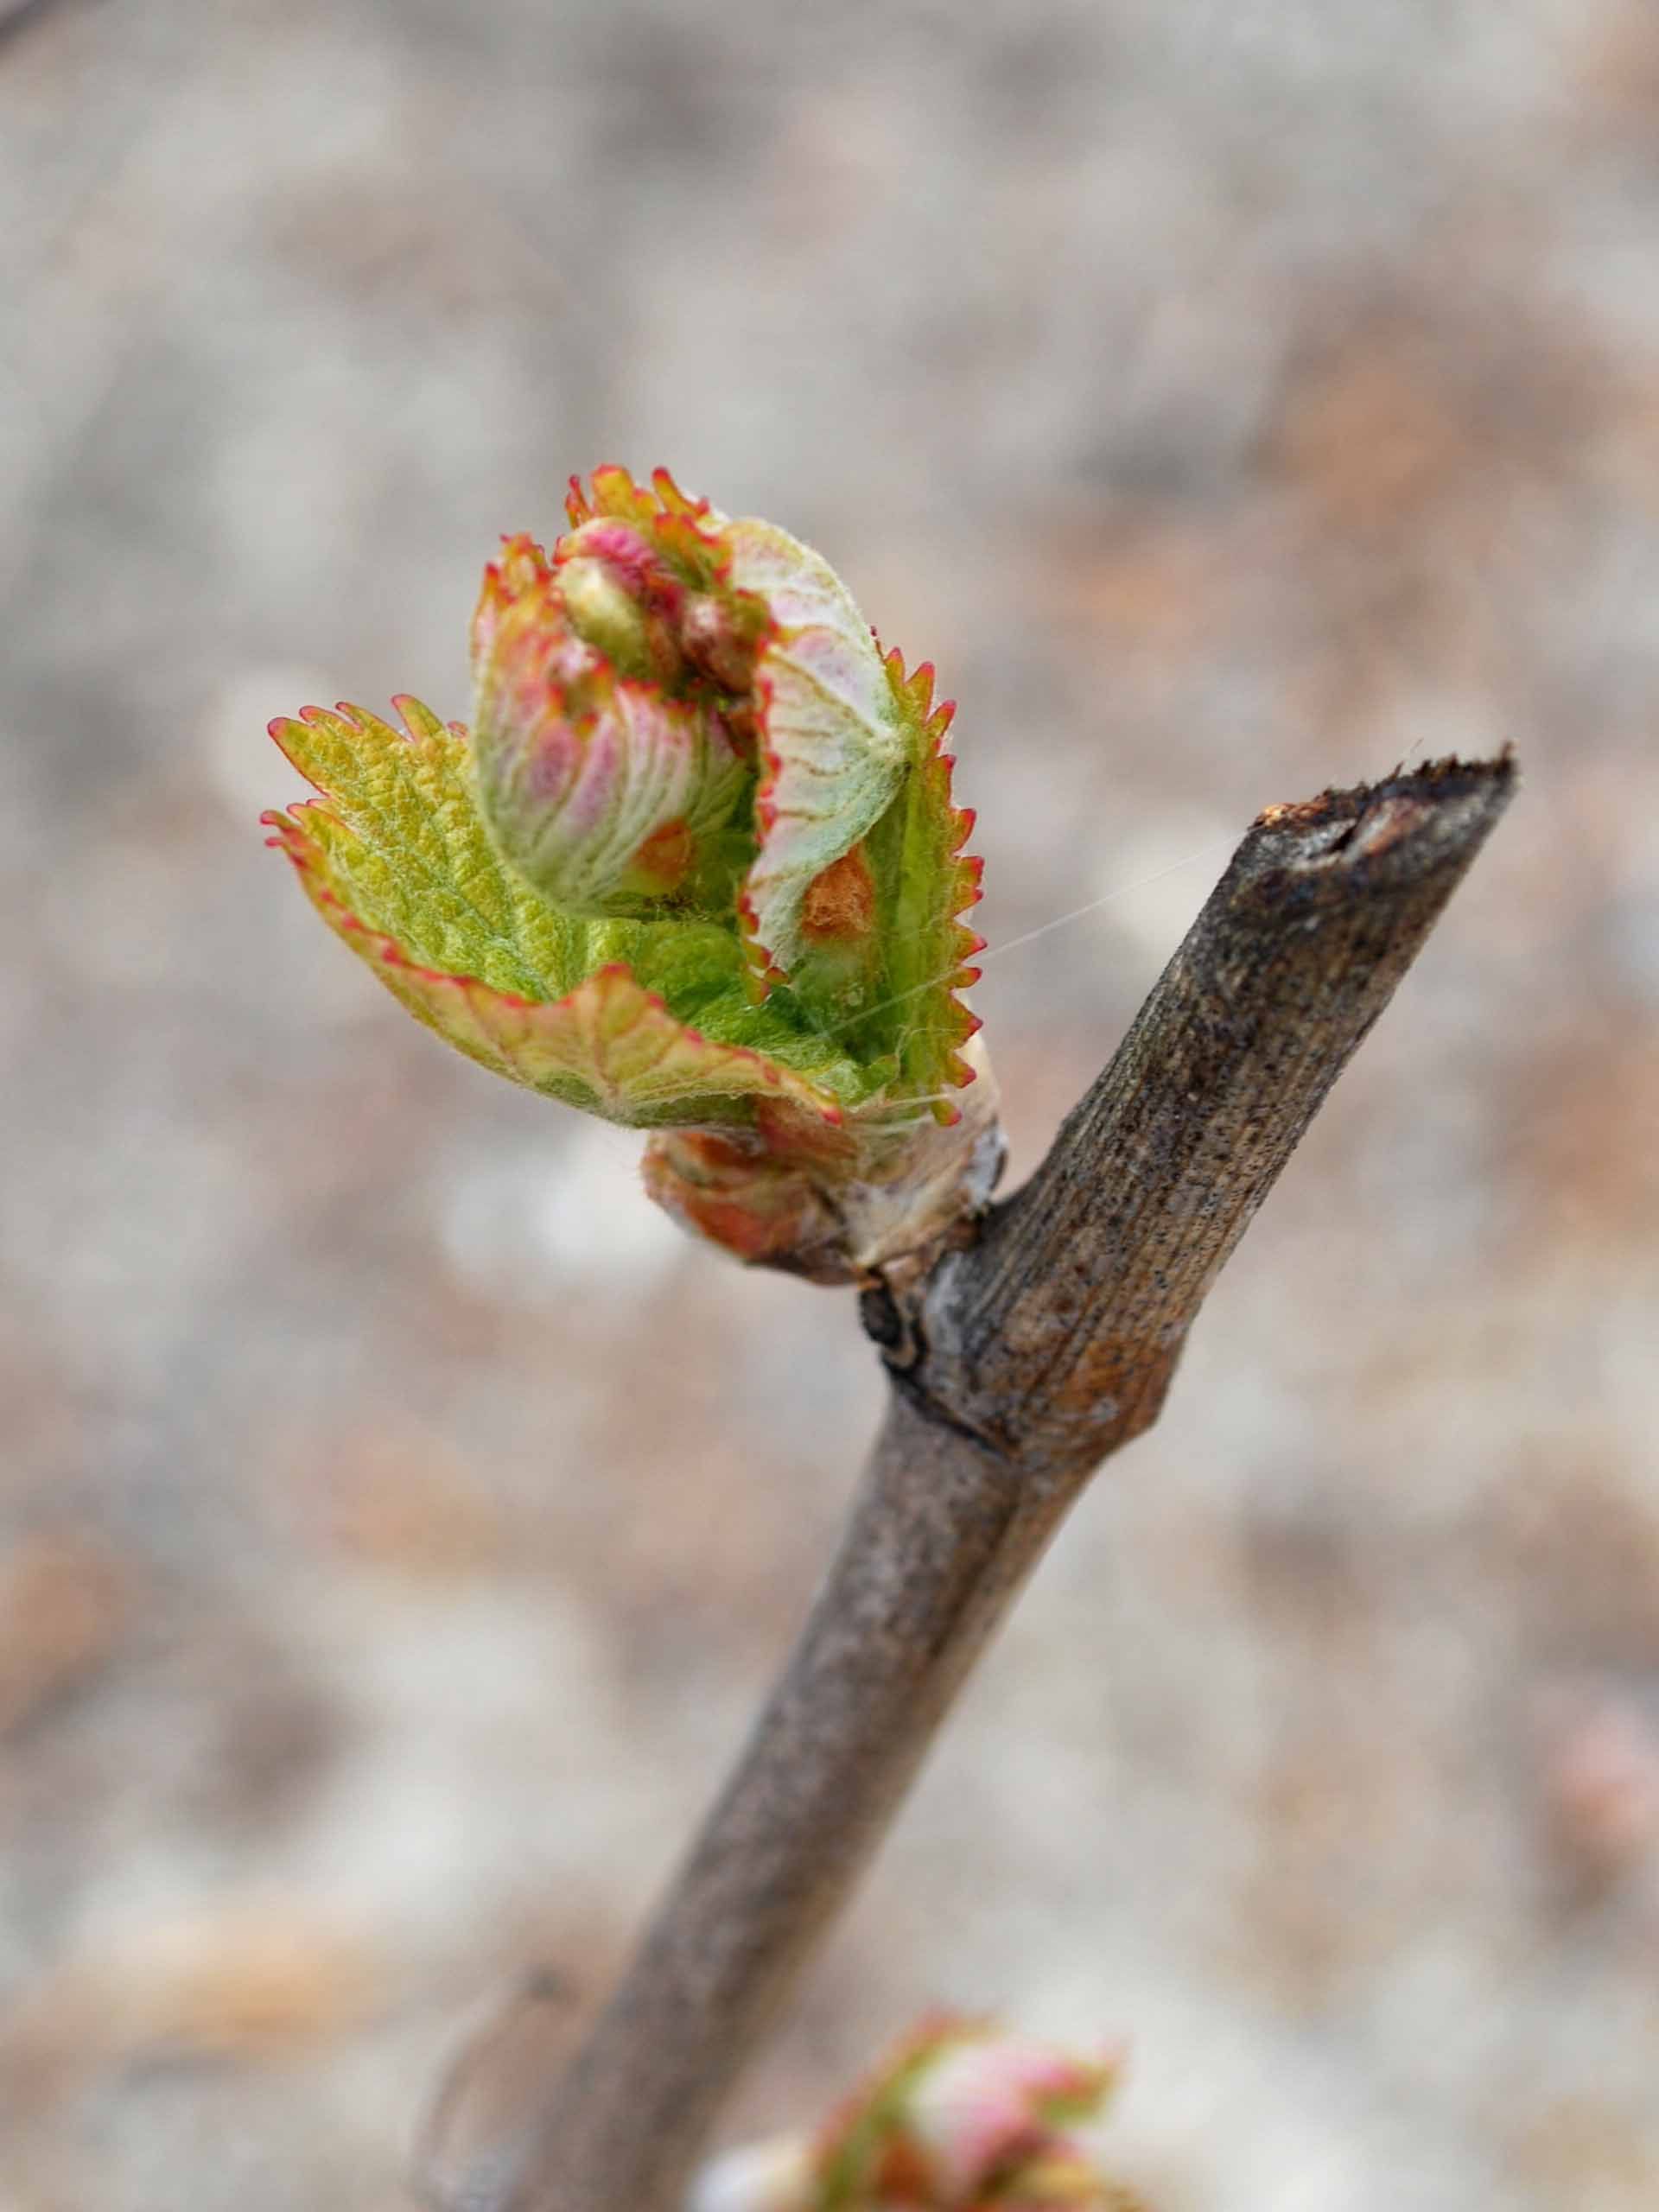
(1018, 1365)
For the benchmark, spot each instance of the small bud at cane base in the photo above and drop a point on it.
(959, 2117)
(695, 867)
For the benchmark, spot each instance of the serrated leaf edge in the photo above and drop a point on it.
(481, 1000)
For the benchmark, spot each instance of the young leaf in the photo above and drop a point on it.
(697, 870)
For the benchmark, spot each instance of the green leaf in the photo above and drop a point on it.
(408, 855)
(927, 882)
(648, 1023)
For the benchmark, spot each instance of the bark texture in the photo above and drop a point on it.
(1019, 1363)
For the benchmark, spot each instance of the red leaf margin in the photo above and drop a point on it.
(529, 1040)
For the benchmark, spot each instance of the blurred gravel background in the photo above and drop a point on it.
(398, 1524)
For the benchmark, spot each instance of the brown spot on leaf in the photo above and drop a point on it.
(661, 863)
(839, 903)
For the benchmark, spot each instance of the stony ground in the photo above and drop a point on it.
(396, 1522)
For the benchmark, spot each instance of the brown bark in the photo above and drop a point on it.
(1020, 1362)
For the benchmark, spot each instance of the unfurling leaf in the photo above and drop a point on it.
(695, 868)
(959, 2117)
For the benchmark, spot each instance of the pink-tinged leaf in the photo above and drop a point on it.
(961, 2118)
(987, 2104)
(833, 751)
(603, 790)
(520, 570)
(614, 493)
(666, 556)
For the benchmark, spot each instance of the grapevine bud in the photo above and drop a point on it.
(695, 867)
(958, 2119)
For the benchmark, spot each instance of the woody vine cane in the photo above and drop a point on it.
(697, 868)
